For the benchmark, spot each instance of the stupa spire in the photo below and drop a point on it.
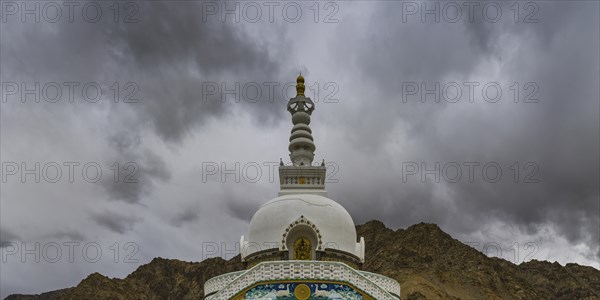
(302, 148)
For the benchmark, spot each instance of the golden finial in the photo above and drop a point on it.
(300, 85)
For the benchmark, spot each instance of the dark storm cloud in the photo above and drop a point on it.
(115, 221)
(173, 52)
(72, 235)
(559, 134)
(186, 216)
(168, 55)
(139, 170)
(7, 236)
(243, 210)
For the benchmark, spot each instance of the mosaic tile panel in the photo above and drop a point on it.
(302, 290)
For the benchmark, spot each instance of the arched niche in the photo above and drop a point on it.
(302, 236)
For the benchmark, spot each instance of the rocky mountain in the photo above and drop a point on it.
(428, 263)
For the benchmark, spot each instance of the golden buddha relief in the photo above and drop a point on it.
(302, 249)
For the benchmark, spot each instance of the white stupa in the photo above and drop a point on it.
(302, 245)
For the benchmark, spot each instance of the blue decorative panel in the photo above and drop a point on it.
(317, 290)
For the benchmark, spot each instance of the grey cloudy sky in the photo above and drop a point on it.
(518, 94)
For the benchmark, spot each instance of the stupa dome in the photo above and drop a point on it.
(280, 221)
